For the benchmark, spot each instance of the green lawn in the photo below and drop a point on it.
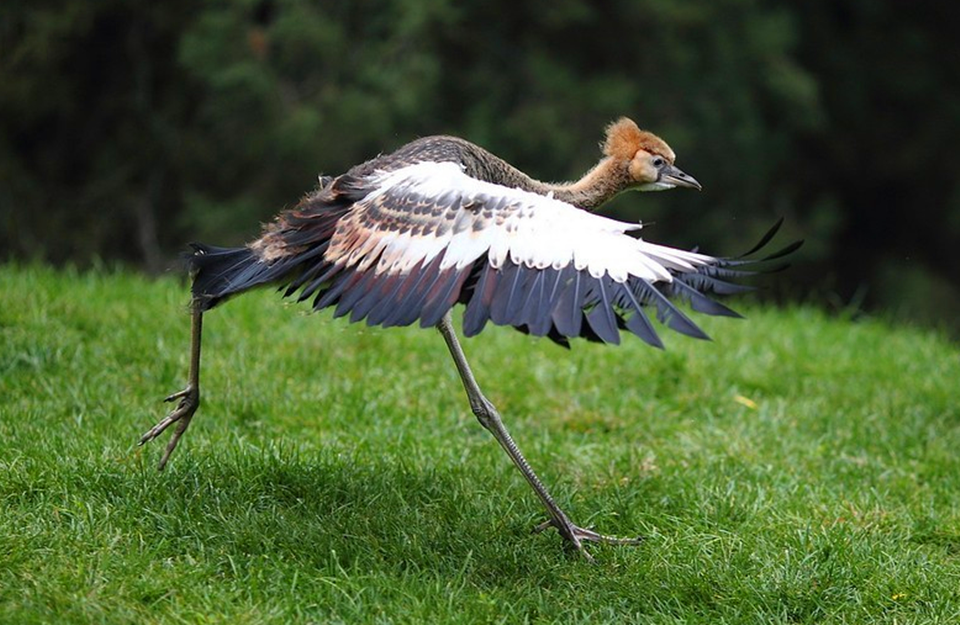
(797, 469)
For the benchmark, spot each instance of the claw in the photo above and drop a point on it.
(182, 414)
(576, 536)
(177, 395)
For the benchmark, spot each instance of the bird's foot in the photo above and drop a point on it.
(576, 536)
(183, 413)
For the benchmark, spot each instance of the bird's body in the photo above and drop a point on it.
(405, 237)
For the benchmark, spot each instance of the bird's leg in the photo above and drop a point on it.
(489, 418)
(189, 397)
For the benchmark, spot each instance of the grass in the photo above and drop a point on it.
(798, 469)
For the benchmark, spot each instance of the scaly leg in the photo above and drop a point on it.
(489, 418)
(189, 397)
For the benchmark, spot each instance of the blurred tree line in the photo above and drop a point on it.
(129, 127)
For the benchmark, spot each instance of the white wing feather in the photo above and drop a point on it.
(539, 232)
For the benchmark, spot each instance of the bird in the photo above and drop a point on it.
(406, 237)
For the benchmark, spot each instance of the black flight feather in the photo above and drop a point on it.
(638, 323)
(602, 318)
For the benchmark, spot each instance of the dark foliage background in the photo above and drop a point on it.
(129, 127)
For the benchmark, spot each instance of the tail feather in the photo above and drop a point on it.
(297, 241)
(219, 272)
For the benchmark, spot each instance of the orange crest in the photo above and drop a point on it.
(624, 139)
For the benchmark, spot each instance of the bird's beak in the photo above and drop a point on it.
(673, 175)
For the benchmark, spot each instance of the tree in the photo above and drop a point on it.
(128, 128)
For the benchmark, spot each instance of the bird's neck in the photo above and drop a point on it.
(595, 188)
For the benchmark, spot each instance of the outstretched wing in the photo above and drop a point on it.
(427, 236)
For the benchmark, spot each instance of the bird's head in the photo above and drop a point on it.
(646, 158)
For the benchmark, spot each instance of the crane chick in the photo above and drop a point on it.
(405, 237)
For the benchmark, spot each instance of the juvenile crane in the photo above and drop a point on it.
(404, 237)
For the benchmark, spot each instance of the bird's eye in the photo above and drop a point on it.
(658, 162)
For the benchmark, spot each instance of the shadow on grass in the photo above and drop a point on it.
(323, 511)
